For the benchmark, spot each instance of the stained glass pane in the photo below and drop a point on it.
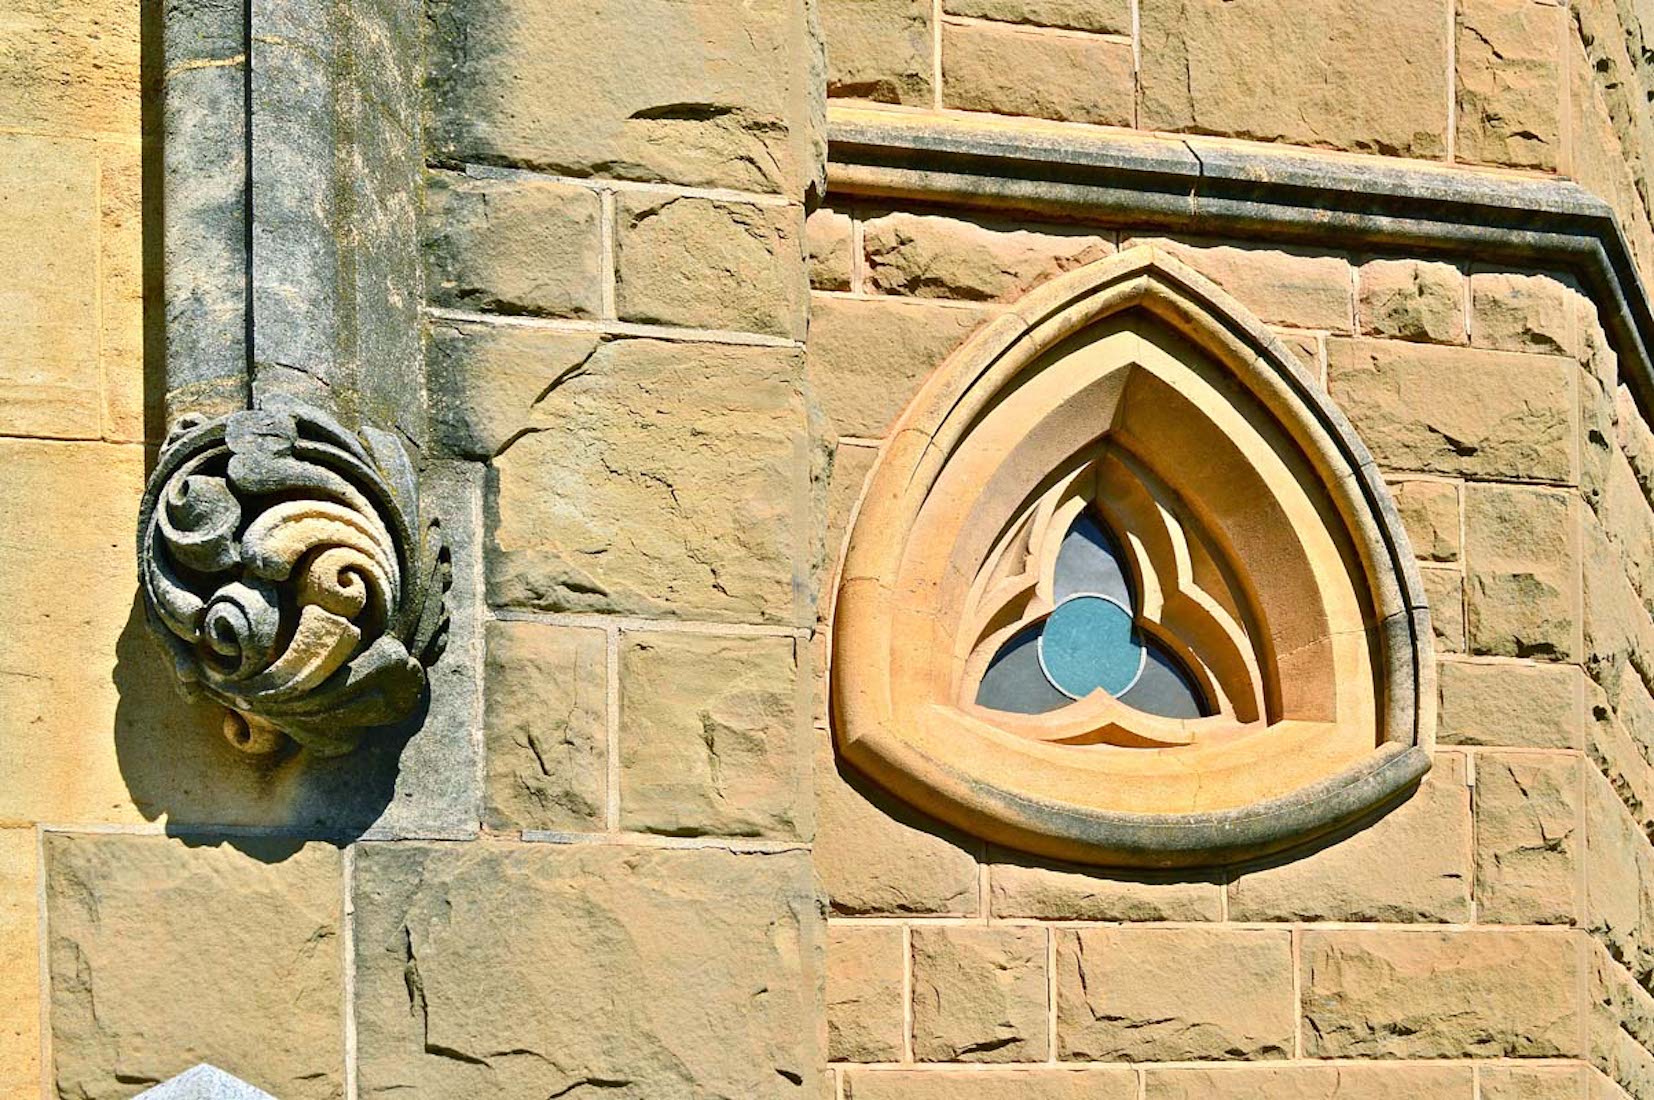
(1165, 687)
(1090, 561)
(1014, 681)
(1088, 644)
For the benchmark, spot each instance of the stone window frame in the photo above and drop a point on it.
(896, 711)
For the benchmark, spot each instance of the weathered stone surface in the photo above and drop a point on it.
(49, 364)
(1517, 312)
(1622, 511)
(865, 968)
(19, 964)
(712, 738)
(1276, 70)
(532, 969)
(876, 855)
(707, 263)
(545, 705)
(1307, 347)
(204, 1082)
(1342, 1082)
(1527, 839)
(851, 465)
(712, 95)
(1430, 994)
(1444, 589)
(879, 49)
(1456, 411)
(1430, 512)
(673, 484)
(1618, 861)
(936, 257)
(1533, 1082)
(1281, 286)
(70, 69)
(120, 186)
(164, 955)
(1508, 69)
(1012, 70)
(516, 245)
(1162, 994)
(828, 249)
(1413, 300)
(1529, 706)
(866, 359)
(1020, 886)
(1098, 16)
(486, 381)
(979, 994)
(1522, 583)
(1413, 864)
(1049, 1083)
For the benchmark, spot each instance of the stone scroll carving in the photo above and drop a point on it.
(285, 564)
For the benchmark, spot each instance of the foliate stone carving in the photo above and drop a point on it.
(285, 564)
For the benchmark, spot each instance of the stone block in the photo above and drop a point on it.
(693, 92)
(992, 1083)
(851, 465)
(164, 955)
(866, 359)
(1519, 312)
(1096, 16)
(1526, 706)
(1444, 589)
(19, 964)
(1413, 864)
(1508, 70)
(1618, 864)
(1307, 347)
(1307, 1082)
(1430, 512)
(1622, 511)
(120, 251)
(1533, 1082)
(829, 249)
(70, 69)
(1413, 300)
(515, 245)
(1440, 994)
(50, 371)
(879, 49)
(1522, 572)
(1022, 886)
(675, 484)
(713, 736)
(546, 727)
(979, 994)
(927, 256)
(511, 969)
(1173, 994)
(1455, 411)
(1010, 70)
(1278, 70)
(865, 974)
(1527, 839)
(486, 381)
(1291, 286)
(708, 263)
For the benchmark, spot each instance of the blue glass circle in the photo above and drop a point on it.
(1087, 644)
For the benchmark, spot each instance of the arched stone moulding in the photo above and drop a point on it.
(1135, 363)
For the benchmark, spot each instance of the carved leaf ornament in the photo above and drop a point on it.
(284, 564)
(1123, 587)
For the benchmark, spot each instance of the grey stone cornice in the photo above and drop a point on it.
(1229, 189)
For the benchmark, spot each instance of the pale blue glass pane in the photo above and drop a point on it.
(1014, 681)
(1165, 687)
(1088, 644)
(1090, 561)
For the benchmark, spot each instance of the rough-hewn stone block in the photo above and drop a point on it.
(1618, 862)
(1281, 286)
(1522, 580)
(533, 969)
(707, 263)
(73, 69)
(1527, 838)
(485, 381)
(674, 484)
(865, 1016)
(19, 964)
(711, 736)
(1413, 300)
(936, 257)
(1097, 16)
(851, 466)
(1444, 589)
(121, 253)
(866, 359)
(979, 994)
(514, 245)
(1528, 706)
(1020, 886)
(1430, 512)
(1343, 1082)
(1533, 1082)
(1517, 312)
(1456, 411)
(1278, 70)
(828, 249)
(544, 698)
(710, 95)
(879, 49)
(1046, 1083)
(1011, 70)
(1508, 69)
(164, 955)
(1413, 864)
(1440, 994)
(1162, 994)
